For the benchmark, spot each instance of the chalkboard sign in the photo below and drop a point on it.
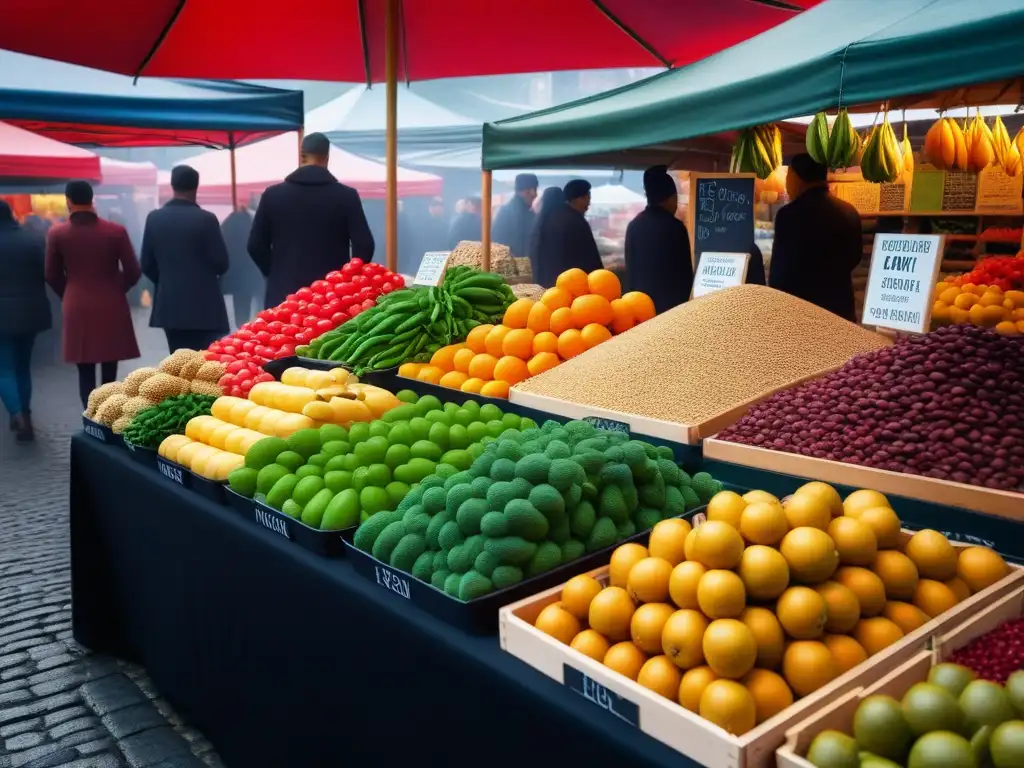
(721, 213)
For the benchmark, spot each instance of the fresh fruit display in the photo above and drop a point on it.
(531, 501)
(998, 656)
(259, 418)
(765, 602)
(816, 139)
(1004, 272)
(206, 460)
(945, 146)
(334, 478)
(579, 313)
(151, 426)
(1003, 234)
(882, 159)
(945, 404)
(951, 720)
(843, 142)
(412, 324)
(978, 141)
(344, 402)
(980, 299)
(706, 357)
(758, 151)
(1006, 151)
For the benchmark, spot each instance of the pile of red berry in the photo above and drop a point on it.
(996, 655)
(300, 318)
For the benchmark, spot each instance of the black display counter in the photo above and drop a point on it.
(285, 659)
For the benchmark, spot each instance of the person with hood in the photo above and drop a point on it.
(24, 312)
(243, 281)
(467, 224)
(550, 201)
(91, 265)
(515, 220)
(658, 245)
(308, 225)
(566, 241)
(818, 241)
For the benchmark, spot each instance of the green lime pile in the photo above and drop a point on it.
(534, 499)
(333, 478)
(952, 720)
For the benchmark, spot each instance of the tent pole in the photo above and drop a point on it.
(234, 174)
(485, 215)
(391, 147)
(302, 135)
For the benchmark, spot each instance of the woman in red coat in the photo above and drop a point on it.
(90, 264)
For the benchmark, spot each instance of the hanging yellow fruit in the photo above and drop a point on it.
(908, 153)
(978, 140)
(1001, 142)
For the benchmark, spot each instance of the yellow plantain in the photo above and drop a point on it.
(908, 153)
(1012, 161)
(1000, 141)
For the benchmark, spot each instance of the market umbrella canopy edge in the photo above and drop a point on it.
(24, 155)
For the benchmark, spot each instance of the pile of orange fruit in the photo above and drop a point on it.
(765, 602)
(985, 305)
(580, 312)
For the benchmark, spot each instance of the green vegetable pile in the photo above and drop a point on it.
(149, 427)
(411, 324)
(533, 500)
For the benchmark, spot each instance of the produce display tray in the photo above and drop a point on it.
(323, 543)
(478, 616)
(100, 432)
(683, 730)
(144, 456)
(1003, 503)
(838, 715)
(241, 504)
(181, 475)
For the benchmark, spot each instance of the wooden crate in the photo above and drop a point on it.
(1003, 503)
(685, 731)
(839, 714)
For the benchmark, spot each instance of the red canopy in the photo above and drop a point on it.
(260, 165)
(123, 173)
(344, 41)
(24, 155)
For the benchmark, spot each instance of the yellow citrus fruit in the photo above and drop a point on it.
(807, 511)
(824, 493)
(770, 692)
(682, 638)
(763, 523)
(906, 616)
(647, 624)
(752, 497)
(682, 584)
(884, 523)
(858, 501)
(539, 319)
(518, 343)
(430, 374)
(855, 541)
(495, 389)
(692, 686)
(648, 580)
(688, 549)
(876, 633)
(767, 631)
(476, 339)
(594, 334)
(898, 573)
(810, 554)
(409, 370)
(841, 605)
(729, 705)
(454, 379)
(807, 665)
(560, 321)
(729, 648)
(980, 567)
(463, 358)
(605, 283)
(661, 676)
(482, 366)
(726, 506)
(494, 340)
(573, 281)
(472, 385)
(933, 597)
(764, 572)
(545, 341)
(959, 587)
(846, 652)
(556, 298)
(542, 361)
(591, 643)
(444, 358)
(554, 620)
(933, 555)
(623, 559)
(721, 595)
(611, 612)
(716, 545)
(668, 539)
(577, 594)
(517, 314)
(511, 370)
(802, 613)
(626, 659)
(866, 585)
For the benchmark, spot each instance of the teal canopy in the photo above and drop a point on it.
(913, 53)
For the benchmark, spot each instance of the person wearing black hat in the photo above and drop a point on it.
(308, 225)
(184, 254)
(566, 241)
(467, 224)
(817, 241)
(516, 219)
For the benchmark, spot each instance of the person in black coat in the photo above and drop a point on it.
(515, 220)
(817, 241)
(552, 199)
(24, 312)
(658, 245)
(467, 225)
(566, 241)
(243, 281)
(308, 225)
(183, 253)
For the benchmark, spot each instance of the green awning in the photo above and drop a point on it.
(913, 53)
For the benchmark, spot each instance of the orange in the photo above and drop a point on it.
(760, 522)
(574, 282)
(409, 370)
(518, 313)
(866, 585)
(622, 561)
(858, 501)
(462, 358)
(729, 705)
(591, 308)
(933, 555)
(905, 616)
(898, 573)
(497, 389)
(542, 361)
(648, 580)
(577, 594)
(540, 318)
(810, 553)
(876, 633)
(726, 506)
(824, 493)
(768, 634)
(590, 643)
(640, 305)
(495, 339)
(430, 374)
(472, 386)
(841, 604)
(605, 283)
(667, 538)
(807, 511)
(561, 321)
(444, 358)
(475, 338)
(518, 343)
(554, 620)
(556, 298)
(855, 541)
(622, 316)
(770, 692)
(980, 567)
(593, 334)
(682, 638)
(716, 545)
(646, 625)
(846, 652)
(682, 584)
(482, 367)
(729, 647)
(626, 659)
(959, 587)
(933, 597)
(453, 380)
(511, 370)
(802, 613)
(570, 344)
(545, 341)
(692, 686)
(661, 676)
(720, 594)
(764, 572)
(611, 611)
(807, 665)
(884, 523)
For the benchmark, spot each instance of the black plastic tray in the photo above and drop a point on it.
(174, 472)
(100, 432)
(323, 543)
(144, 456)
(478, 616)
(210, 489)
(241, 504)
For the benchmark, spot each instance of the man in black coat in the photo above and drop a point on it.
(467, 225)
(658, 245)
(566, 240)
(308, 225)
(515, 219)
(183, 253)
(817, 241)
(243, 282)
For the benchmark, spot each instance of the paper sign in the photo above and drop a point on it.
(998, 192)
(902, 280)
(716, 271)
(432, 268)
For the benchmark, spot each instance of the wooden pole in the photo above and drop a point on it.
(485, 214)
(391, 140)
(234, 174)
(302, 135)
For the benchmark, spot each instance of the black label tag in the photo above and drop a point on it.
(95, 432)
(129, 444)
(271, 521)
(171, 472)
(610, 424)
(392, 581)
(595, 693)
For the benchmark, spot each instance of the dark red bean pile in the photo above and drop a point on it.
(996, 655)
(947, 404)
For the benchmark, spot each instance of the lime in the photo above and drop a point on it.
(527, 423)
(426, 404)
(445, 470)
(290, 460)
(332, 432)
(400, 434)
(396, 492)
(305, 442)
(980, 743)
(879, 727)
(458, 458)
(267, 476)
(363, 517)
(1007, 744)
(360, 478)
(351, 462)
(335, 463)
(407, 396)
(358, 432)
(450, 407)
(425, 449)
(318, 459)
(511, 420)
(440, 417)
(313, 512)
(953, 677)
(373, 450)
(928, 707)
(486, 440)
(243, 480)
(309, 470)
(401, 413)
(986, 703)
(458, 437)
(420, 428)
(292, 508)
(1015, 690)
(379, 428)
(378, 475)
(476, 431)
(397, 454)
(373, 499)
(832, 749)
(338, 480)
(462, 417)
(342, 512)
(307, 488)
(495, 426)
(335, 448)
(473, 407)
(414, 471)
(490, 412)
(475, 450)
(941, 749)
(439, 435)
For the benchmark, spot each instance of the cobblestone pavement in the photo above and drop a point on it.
(61, 705)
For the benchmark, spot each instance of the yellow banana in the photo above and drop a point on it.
(908, 152)
(1000, 141)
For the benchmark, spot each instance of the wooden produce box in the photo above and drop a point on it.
(683, 730)
(1003, 503)
(838, 715)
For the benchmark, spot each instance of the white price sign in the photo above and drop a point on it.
(432, 268)
(901, 283)
(716, 271)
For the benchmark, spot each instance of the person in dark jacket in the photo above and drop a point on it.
(91, 265)
(566, 241)
(308, 225)
(468, 224)
(658, 245)
(183, 253)
(243, 282)
(552, 199)
(24, 312)
(817, 241)
(515, 220)
(755, 266)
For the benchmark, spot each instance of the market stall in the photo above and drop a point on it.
(26, 158)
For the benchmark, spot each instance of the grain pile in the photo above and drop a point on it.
(470, 253)
(708, 356)
(528, 291)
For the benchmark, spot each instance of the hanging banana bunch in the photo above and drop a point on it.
(843, 142)
(882, 160)
(979, 143)
(1001, 142)
(862, 142)
(1013, 160)
(758, 151)
(908, 153)
(816, 140)
(945, 146)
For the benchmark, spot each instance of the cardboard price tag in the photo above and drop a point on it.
(432, 267)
